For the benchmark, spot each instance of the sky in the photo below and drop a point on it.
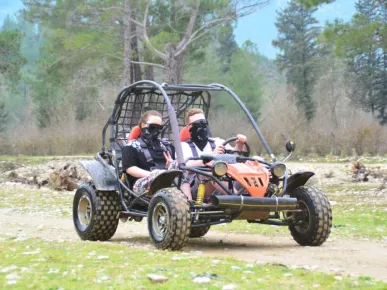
(258, 27)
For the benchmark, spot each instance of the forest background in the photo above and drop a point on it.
(63, 62)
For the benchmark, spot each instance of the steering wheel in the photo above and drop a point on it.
(245, 153)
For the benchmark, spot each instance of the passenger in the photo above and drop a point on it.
(145, 158)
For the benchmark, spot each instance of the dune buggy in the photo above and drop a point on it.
(252, 189)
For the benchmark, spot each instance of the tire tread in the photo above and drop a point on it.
(322, 215)
(104, 220)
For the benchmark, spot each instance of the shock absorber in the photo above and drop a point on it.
(200, 196)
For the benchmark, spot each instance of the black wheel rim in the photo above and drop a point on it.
(302, 219)
(160, 221)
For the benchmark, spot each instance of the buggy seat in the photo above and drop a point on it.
(135, 133)
(185, 134)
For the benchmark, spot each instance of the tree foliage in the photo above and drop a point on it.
(362, 43)
(313, 3)
(245, 78)
(299, 53)
(11, 59)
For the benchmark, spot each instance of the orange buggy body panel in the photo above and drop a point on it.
(251, 175)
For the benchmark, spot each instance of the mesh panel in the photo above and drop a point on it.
(137, 103)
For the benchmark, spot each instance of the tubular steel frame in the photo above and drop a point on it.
(152, 87)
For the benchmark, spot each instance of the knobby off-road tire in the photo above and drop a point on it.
(95, 213)
(317, 217)
(169, 219)
(199, 232)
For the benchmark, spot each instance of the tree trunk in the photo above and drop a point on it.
(173, 66)
(136, 68)
(148, 72)
(127, 44)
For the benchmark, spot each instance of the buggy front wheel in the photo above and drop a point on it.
(95, 213)
(169, 219)
(311, 226)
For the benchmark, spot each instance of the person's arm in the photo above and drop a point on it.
(130, 162)
(195, 163)
(219, 149)
(137, 172)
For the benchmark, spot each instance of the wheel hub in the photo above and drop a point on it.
(160, 220)
(302, 219)
(84, 212)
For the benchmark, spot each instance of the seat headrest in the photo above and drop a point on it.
(135, 133)
(185, 134)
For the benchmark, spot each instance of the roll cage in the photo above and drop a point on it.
(141, 96)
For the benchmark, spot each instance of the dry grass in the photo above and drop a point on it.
(343, 132)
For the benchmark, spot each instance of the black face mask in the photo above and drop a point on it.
(151, 133)
(199, 135)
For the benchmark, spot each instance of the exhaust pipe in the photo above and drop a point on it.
(239, 202)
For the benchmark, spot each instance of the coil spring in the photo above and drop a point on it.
(200, 196)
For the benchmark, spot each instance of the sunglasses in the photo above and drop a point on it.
(199, 123)
(155, 126)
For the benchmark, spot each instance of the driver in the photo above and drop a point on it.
(200, 141)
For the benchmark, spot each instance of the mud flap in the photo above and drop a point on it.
(103, 179)
(298, 179)
(164, 180)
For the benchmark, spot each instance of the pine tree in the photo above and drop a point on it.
(299, 52)
(312, 3)
(3, 117)
(227, 46)
(245, 78)
(10, 58)
(363, 45)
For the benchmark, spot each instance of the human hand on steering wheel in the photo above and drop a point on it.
(219, 149)
(240, 139)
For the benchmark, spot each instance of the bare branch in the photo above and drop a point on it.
(135, 62)
(145, 34)
(197, 34)
(147, 63)
(190, 25)
(121, 9)
(249, 8)
(114, 56)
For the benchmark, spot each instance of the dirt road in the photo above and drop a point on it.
(339, 256)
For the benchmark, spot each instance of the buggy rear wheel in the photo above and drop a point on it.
(312, 226)
(199, 232)
(169, 219)
(95, 213)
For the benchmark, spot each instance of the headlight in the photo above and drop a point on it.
(278, 169)
(219, 168)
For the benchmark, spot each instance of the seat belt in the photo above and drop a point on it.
(146, 151)
(148, 156)
(193, 146)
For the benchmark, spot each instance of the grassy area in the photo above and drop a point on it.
(339, 159)
(46, 201)
(36, 264)
(357, 213)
